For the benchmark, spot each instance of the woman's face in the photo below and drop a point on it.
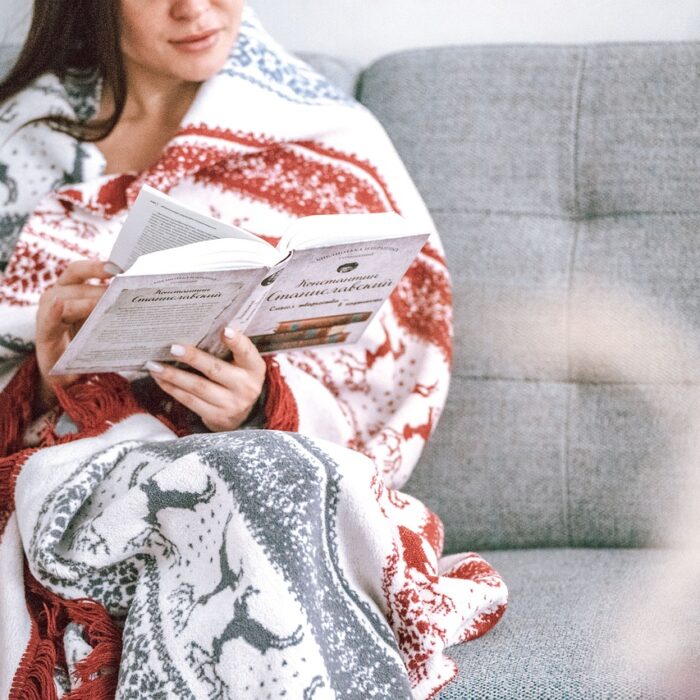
(183, 39)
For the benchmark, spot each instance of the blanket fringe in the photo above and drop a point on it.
(34, 677)
(16, 406)
(97, 401)
(281, 410)
(98, 672)
(94, 403)
(96, 675)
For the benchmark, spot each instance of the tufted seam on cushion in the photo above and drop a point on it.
(561, 217)
(577, 213)
(575, 122)
(572, 382)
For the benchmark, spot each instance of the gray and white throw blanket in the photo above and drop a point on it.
(250, 564)
(140, 563)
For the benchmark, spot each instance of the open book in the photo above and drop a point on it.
(187, 276)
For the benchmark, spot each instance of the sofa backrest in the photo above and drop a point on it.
(565, 182)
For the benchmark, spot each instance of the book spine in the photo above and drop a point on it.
(270, 346)
(308, 334)
(322, 322)
(247, 312)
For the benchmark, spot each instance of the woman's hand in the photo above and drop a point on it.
(224, 397)
(62, 310)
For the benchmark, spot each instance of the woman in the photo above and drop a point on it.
(227, 563)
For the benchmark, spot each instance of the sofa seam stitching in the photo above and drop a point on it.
(577, 382)
(561, 217)
(576, 121)
(575, 125)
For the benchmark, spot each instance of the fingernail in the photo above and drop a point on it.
(229, 332)
(152, 366)
(177, 350)
(111, 268)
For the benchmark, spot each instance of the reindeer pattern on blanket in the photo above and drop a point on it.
(229, 550)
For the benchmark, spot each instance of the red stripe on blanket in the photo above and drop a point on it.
(477, 570)
(287, 181)
(482, 624)
(50, 615)
(434, 532)
(352, 159)
(179, 161)
(238, 137)
(112, 196)
(422, 302)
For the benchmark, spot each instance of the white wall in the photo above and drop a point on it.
(365, 29)
(14, 17)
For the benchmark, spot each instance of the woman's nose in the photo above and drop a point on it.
(189, 9)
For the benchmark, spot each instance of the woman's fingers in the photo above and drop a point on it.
(193, 384)
(245, 354)
(76, 291)
(222, 393)
(79, 271)
(202, 407)
(75, 303)
(62, 308)
(49, 326)
(219, 371)
(77, 310)
(216, 417)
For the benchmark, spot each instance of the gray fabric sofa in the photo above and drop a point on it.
(565, 184)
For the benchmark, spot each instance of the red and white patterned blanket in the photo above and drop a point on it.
(266, 140)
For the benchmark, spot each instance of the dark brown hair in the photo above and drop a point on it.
(73, 37)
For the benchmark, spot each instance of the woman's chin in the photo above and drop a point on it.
(197, 69)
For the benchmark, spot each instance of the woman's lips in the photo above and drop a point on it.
(197, 42)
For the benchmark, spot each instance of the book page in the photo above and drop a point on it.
(328, 295)
(317, 231)
(140, 317)
(158, 222)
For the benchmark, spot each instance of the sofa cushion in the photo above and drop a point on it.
(565, 633)
(564, 183)
(342, 74)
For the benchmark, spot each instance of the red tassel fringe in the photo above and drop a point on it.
(97, 674)
(94, 404)
(98, 401)
(16, 406)
(281, 410)
(10, 467)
